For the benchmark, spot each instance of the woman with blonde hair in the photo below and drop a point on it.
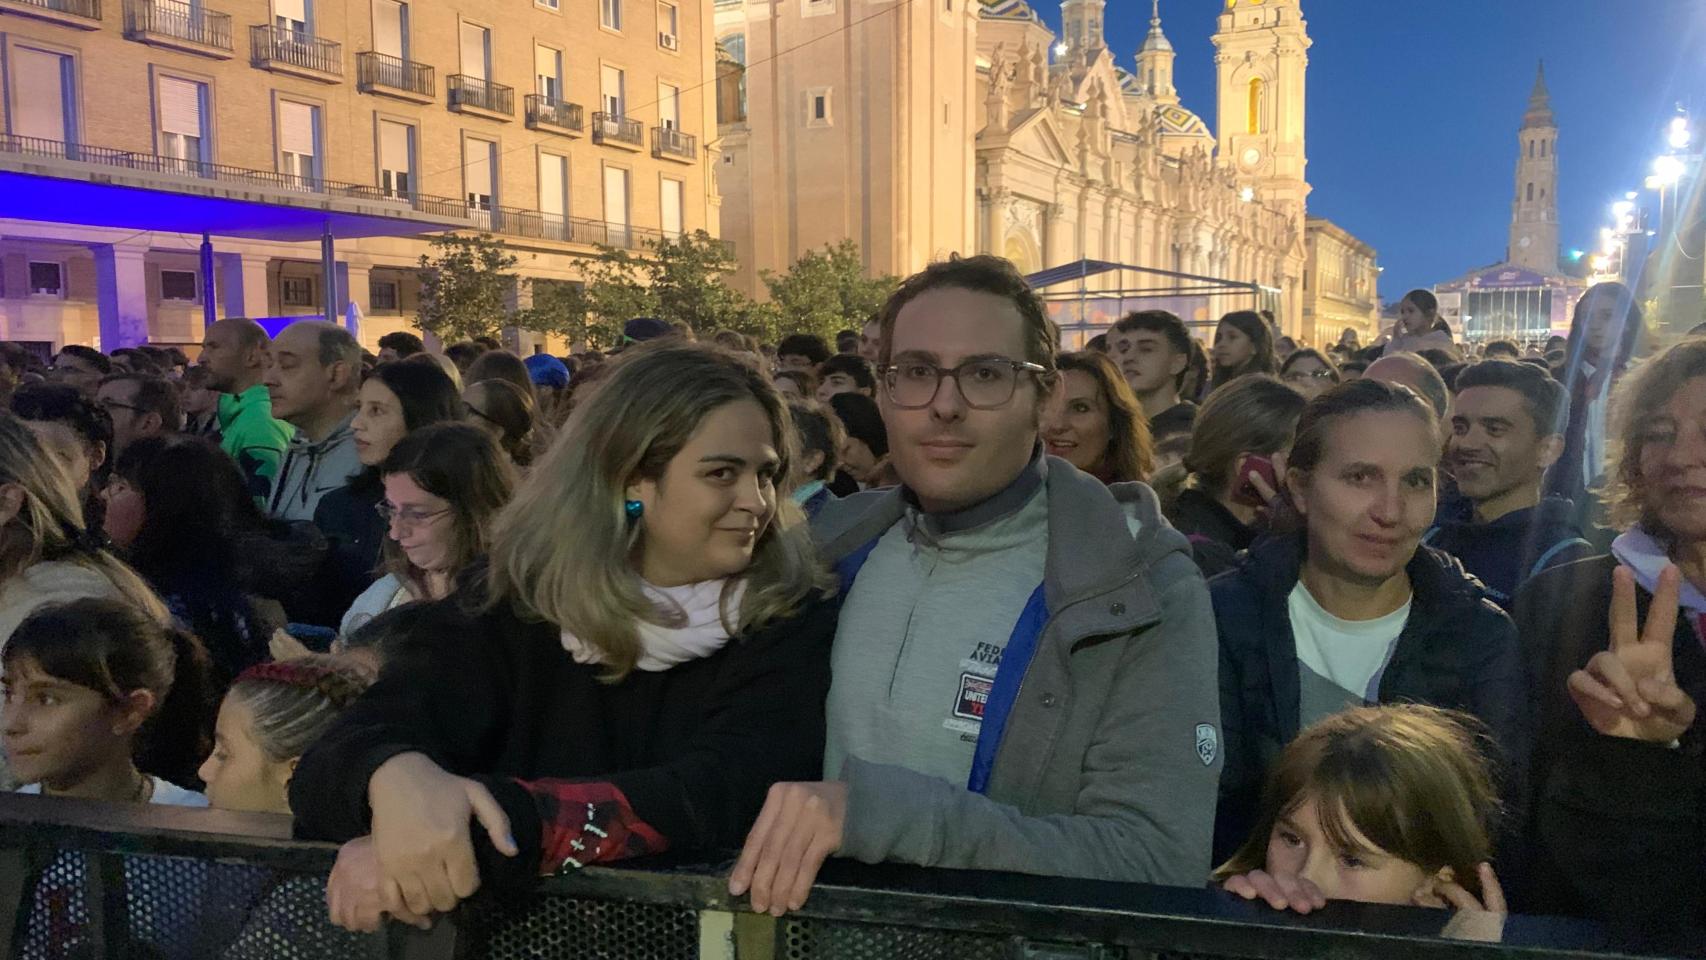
(47, 554)
(647, 655)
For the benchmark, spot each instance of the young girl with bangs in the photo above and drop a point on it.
(1393, 804)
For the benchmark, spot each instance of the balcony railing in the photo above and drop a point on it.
(273, 46)
(542, 111)
(84, 878)
(147, 20)
(612, 128)
(670, 142)
(466, 92)
(374, 70)
(511, 221)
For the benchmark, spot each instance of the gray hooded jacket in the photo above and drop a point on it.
(1110, 761)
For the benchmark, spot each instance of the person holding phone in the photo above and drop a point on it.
(1236, 456)
(1353, 609)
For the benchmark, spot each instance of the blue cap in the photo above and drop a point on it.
(547, 371)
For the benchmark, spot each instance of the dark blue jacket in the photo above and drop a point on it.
(1505, 553)
(1457, 650)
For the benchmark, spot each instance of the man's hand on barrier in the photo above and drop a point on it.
(1282, 891)
(800, 825)
(420, 831)
(353, 896)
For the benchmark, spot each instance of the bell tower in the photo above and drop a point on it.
(1155, 61)
(1261, 56)
(1081, 27)
(1534, 213)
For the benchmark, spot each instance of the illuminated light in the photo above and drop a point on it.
(1060, 49)
(1576, 255)
(1605, 234)
(1622, 209)
(1679, 133)
(1601, 262)
(1247, 194)
(1667, 170)
(1631, 195)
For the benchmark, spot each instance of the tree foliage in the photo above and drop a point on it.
(827, 290)
(467, 286)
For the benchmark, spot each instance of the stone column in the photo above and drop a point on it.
(242, 284)
(121, 294)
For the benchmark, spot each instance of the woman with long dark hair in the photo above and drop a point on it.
(396, 400)
(1420, 326)
(1243, 343)
(1094, 421)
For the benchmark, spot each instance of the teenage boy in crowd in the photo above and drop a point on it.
(1025, 666)
(1153, 349)
(1505, 432)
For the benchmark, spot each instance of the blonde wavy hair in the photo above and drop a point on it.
(1635, 401)
(49, 524)
(563, 550)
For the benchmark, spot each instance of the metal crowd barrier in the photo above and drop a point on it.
(86, 879)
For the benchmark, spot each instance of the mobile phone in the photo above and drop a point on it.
(1263, 467)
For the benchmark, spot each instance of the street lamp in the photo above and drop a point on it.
(1667, 170)
(1679, 136)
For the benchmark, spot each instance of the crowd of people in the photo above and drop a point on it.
(1416, 623)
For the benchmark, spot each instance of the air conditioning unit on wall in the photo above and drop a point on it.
(668, 41)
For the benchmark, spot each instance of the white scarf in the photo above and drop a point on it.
(701, 635)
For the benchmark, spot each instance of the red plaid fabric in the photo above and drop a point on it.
(583, 823)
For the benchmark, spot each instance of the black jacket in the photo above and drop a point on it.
(354, 534)
(1618, 830)
(1503, 554)
(1216, 535)
(1457, 650)
(487, 695)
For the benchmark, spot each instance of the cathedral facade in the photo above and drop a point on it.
(956, 127)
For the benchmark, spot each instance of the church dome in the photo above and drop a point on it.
(1007, 10)
(1173, 120)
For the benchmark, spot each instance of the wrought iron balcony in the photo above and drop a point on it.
(544, 113)
(481, 97)
(179, 25)
(671, 144)
(617, 130)
(284, 50)
(385, 74)
(82, 14)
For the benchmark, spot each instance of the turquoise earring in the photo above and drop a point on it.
(633, 508)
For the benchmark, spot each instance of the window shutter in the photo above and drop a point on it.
(296, 128)
(180, 107)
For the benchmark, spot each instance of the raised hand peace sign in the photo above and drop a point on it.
(1630, 690)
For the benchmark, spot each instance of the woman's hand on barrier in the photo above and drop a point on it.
(1282, 891)
(800, 825)
(354, 898)
(1630, 690)
(421, 833)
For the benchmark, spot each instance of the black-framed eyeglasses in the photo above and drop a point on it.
(111, 405)
(406, 518)
(1299, 376)
(983, 384)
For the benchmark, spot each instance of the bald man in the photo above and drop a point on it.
(234, 352)
(1414, 372)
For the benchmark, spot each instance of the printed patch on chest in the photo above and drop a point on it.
(974, 696)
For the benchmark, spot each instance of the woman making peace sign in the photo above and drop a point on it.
(1618, 825)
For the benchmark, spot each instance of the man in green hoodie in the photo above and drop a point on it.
(235, 355)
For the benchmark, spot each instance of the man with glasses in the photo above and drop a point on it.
(140, 405)
(1025, 666)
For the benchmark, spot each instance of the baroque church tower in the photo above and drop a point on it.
(1534, 213)
(1261, 57)
(1081, 26)
(1155, 61)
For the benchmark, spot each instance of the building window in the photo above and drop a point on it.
(298, 140)
(1258, 97)
(47, 279)
(479, 170)
(297, 16)
(553, 188)
(182, 114)
(548, 72)
(382, 296)
(177, 285)
(613, 82)
(616, 206)
(391, 29)
(44, 95)
(669, 23)
(669, 106)
(610, 14)
(818, 107)
(1531, 193)
(296, 291)
(396, 158)
(546, 4)
(476, 51)
(672, 198)
(1543, 148)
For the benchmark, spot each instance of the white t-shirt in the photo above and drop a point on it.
(167, 793)
(1339, 661)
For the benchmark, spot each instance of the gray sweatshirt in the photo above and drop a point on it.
(1110, 762)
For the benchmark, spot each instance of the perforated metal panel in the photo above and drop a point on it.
(524, 927)
(834, 940)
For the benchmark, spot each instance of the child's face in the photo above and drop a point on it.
(57, 732)
(1299, 845)
(238, 774)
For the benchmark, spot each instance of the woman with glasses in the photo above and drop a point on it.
(396, 399)
(647, 654)
(506, 412)
(1309, 372)
(444, 485)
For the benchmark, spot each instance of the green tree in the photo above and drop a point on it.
(827, 290)
(685, 277)
(466, 287)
